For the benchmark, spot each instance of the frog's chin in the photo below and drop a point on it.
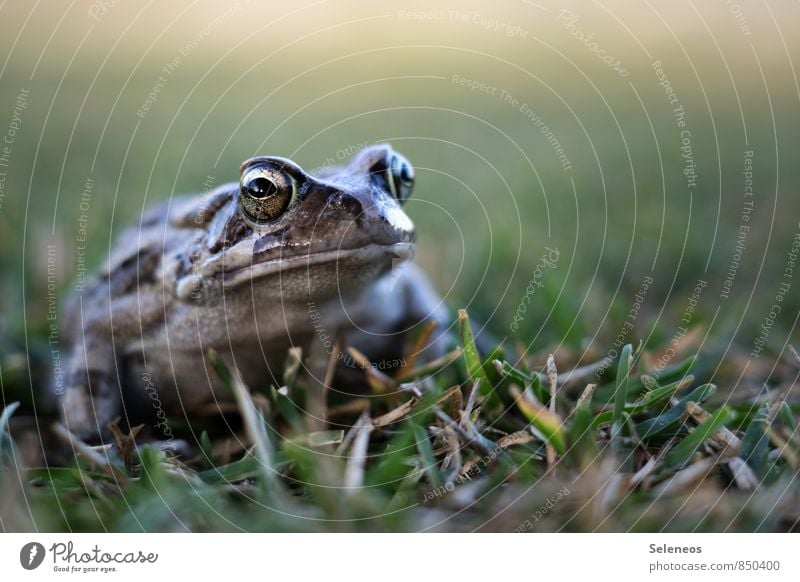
(370, 254)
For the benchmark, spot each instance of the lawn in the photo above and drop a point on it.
(629, 238)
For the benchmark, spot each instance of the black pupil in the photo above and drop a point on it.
(261, 188)
(405, 174)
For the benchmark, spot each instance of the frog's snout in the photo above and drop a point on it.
(372, 216)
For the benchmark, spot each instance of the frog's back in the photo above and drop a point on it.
(131, 265)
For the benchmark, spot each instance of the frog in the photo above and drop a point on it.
(249, 269)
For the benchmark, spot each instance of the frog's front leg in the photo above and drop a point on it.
(423, 303)
(91, 397)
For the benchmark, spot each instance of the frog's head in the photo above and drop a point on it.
(299, 235)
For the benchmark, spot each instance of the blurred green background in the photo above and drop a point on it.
(458, 87)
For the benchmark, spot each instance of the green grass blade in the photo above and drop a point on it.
(582, 445)
(472, 359)
(786, 416)
(546, 422)
(683, 452)
(6, 443)
(671, 419)
(426, 452)
(755, 444)
(655, 395)
(621, 393)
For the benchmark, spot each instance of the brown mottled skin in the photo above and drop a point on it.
(205, 272)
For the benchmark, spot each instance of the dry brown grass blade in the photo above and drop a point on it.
(89, 454)
(516, 438)
(586, 395)
(395, 414)
(456, 403)
(473, 396)
(379, 382)
(453, 456)
(431, 367)
(552, 376)
(723, 438)
(466, 430)
(126, 443)
(416, 349)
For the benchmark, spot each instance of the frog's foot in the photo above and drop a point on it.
(87, 407)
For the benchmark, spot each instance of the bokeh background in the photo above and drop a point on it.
(532, 125)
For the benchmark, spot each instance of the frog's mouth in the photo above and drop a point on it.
(371, 254)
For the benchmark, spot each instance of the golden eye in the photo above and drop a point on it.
(265, 193)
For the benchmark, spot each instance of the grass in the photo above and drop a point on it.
(707, 443)
(498, 444)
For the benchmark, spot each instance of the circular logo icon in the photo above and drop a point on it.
(31, 555)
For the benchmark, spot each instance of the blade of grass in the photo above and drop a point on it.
(684, 450)
(545, 421)
(582, 444)
(755, 444)
(6, 444)
(671, 420)
(472, 359)
(430, 466)
(623, 370)
(354, 470)
(253, 422)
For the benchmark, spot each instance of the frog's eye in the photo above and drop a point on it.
(265, 193)
(400, 177)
